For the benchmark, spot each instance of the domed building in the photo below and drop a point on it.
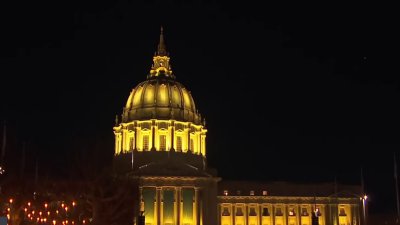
(161, 140)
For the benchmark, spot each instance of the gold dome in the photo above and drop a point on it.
(160, 97)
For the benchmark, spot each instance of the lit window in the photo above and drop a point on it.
(252, 212)
(191, 144)
(251, 192)
(179, 143)
(163, 142)
(278, 212)
(265, 193)
(239, 212)
(304, 212)
(225, 192)
(131, 143)
(146, 142)
(292, 212)
(225, 212)
(342, 212)
(265, 212)
(318, 211)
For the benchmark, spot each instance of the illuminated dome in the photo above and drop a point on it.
(160, 97)
(160, 119)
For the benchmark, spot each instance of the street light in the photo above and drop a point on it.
(364, 205)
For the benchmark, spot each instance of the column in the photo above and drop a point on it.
(273, 214)
(172, 135)
(233, 215)
(158, 206)
(196, 207)
(153, 135)
(259, 214)
(179, 207)
(188, 138)
(246, 214)
(136, 137)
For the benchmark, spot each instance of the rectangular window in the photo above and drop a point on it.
(252, 212)
(239, 212)
(304, 212)
(342, 212)
(225, 212)
(179, 143)
(191, 145)
(278, 212)
(163, 142)
(131, 143)
(265, 212)
(145, 142)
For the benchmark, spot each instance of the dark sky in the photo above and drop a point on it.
(299, 94)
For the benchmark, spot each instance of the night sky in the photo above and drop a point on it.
(302, 94)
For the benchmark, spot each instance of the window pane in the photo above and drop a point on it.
(163, 142)
(146, 142)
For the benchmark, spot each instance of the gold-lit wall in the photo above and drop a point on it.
(170, 205)
(274, 210)
(160, 135)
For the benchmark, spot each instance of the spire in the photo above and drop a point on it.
(161, 66)
(161, 49)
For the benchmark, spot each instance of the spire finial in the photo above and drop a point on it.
(161, 66)
(161, 50)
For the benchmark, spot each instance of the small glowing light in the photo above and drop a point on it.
(8, 209)
(57, 211)
(48, 213)
(29, 204)
(11, 200)
(66, 208)
(365, 197)
(25, 209)
(45, 205)
(73, 203)
(54, 222)
(33, 212)
(2, 170)
(84, 221)
(40, 213)
(62, 205)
